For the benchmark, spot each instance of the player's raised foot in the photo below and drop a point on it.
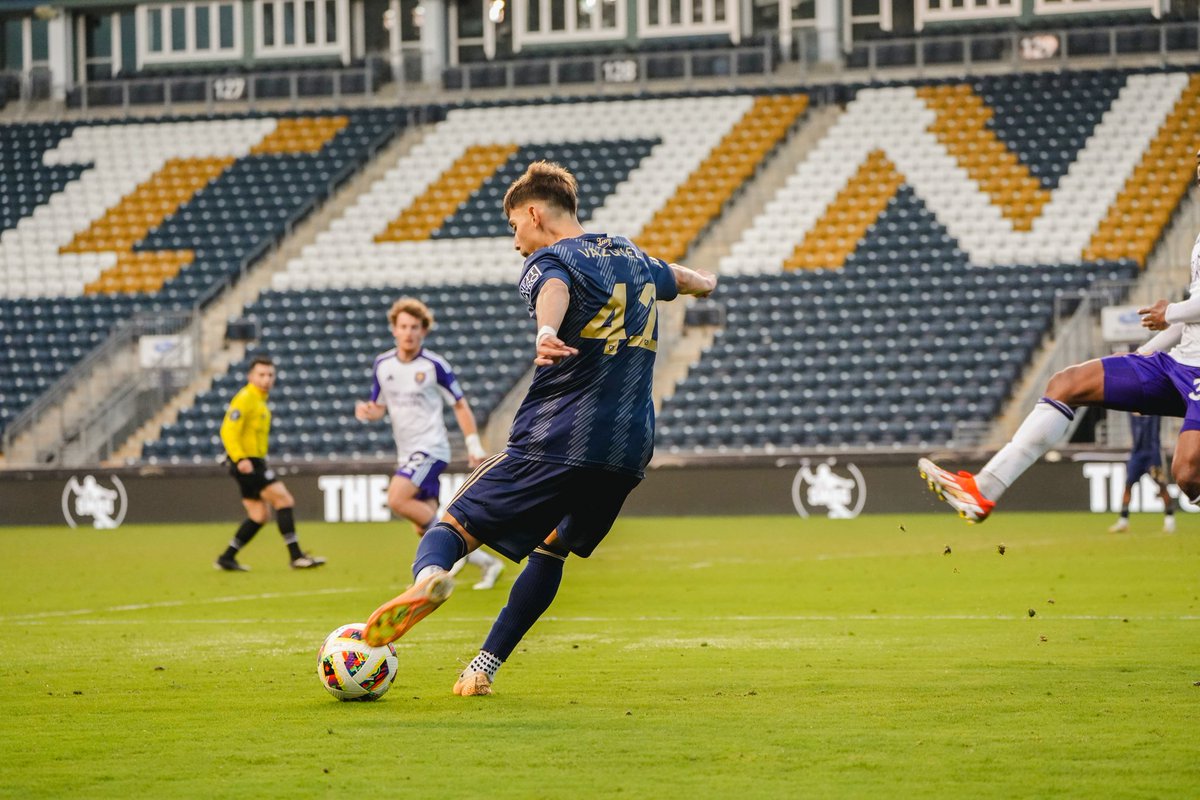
(1120, 526)
(307, 562)
(957, 490)
(491, 574)
(394, 618)
(472, 683)
(1169, 524)
(229, 565)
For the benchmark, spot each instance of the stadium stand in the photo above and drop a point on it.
(902, 281)
(895, 286)
(432, 227)
(100, 222)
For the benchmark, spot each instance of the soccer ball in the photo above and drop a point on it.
(351, 669)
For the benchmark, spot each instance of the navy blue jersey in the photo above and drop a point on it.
(1145, 435)
(596, 409)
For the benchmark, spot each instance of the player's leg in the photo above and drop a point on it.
(512, 503)
(1160, 480)
(256, 516)
(280, 499)
(595, 498)
(532, 593)
(1122, 523)
(403, 501)
(442, 545)
(1185, 466)
(1129, 382)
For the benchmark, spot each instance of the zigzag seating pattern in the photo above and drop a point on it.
(101, 221)
(891, 231)
(434, 225)
(895, 286)
(353, 253)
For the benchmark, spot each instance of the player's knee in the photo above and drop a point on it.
(1187, 478)
(1066, 385)
(556, 548)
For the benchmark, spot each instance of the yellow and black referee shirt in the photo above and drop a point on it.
(247, 424)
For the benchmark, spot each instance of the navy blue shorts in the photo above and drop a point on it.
(512, 504)
(1140, 464)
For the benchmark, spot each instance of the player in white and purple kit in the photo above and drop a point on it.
(1162, 378)
(584, 433)
(411, 384)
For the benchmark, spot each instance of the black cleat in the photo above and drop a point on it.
(230, 565)
(307, 562)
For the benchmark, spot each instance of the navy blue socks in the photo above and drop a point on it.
(531, 594)
(441, 546)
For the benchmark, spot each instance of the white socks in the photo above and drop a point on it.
(1041, 430)
(480, 559)
(427, 572)
(485, 662)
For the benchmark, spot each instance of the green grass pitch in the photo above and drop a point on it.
(689, 658)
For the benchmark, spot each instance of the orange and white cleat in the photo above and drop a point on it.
(394, 618)
(957, 490)
(472, 683)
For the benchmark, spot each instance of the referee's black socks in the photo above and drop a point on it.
(245, 533)
(287, 529)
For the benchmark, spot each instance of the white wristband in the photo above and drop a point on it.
(474, 446)
(545, 330)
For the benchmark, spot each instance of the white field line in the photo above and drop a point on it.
(81, 612)
(38, 619)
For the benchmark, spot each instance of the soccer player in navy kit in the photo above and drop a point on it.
(1145, 459)
(582, 437)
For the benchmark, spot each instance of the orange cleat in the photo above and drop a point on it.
(472, 683)
(956, 490)
(394, 618)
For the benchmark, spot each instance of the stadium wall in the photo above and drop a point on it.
(827, 486)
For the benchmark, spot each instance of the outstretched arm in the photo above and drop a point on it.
(696, 282)
(552, 301)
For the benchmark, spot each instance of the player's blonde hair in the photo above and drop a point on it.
(545, 181)
(412, 306)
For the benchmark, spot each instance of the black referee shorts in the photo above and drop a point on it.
(252, 483)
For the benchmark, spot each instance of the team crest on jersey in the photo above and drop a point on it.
(90, 498)
(419, 378)
(528, 282)
(842, 496)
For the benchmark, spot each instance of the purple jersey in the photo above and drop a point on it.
(596, 409)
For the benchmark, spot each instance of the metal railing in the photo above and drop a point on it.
(1160, 43)
(215, 90)
(1164, 43)
(616, 71)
